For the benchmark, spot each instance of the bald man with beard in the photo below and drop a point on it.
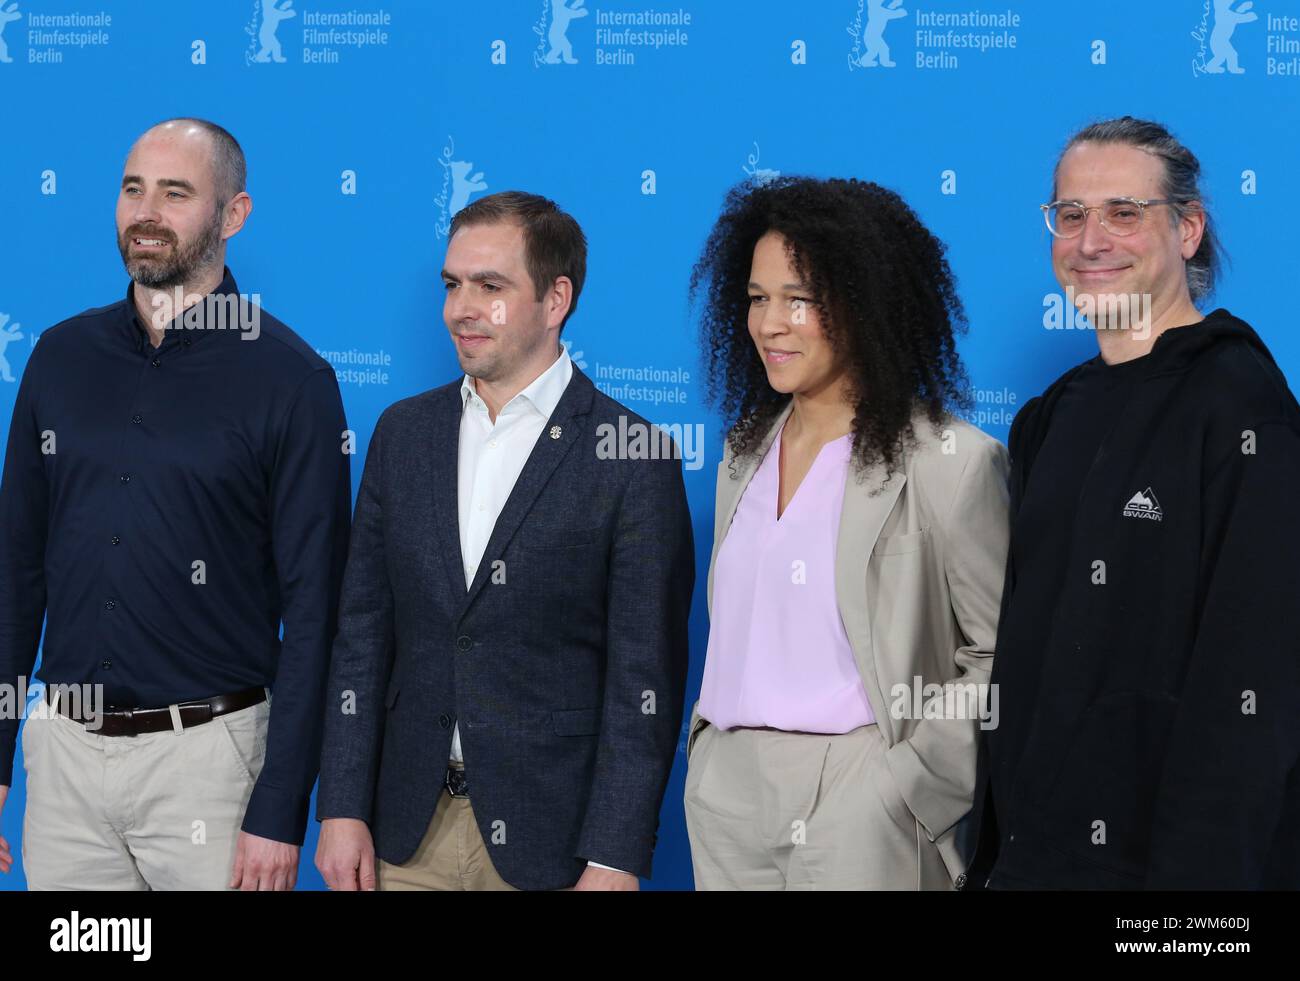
(174, 511)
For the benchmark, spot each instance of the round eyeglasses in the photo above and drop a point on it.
(1119, 216)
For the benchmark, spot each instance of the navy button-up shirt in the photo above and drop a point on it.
(164, 511)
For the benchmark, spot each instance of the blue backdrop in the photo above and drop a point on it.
(366, 125)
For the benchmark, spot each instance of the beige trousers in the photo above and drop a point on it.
(767, 809)
(156, 811)
(451, 857)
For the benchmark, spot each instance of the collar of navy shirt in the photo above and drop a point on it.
(185, 329)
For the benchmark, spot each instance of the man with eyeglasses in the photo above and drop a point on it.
(1149, 645)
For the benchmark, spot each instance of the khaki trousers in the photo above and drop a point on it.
(767, 809)
(451, 857)
(156, 811)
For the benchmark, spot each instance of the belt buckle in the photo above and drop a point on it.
(455, 782)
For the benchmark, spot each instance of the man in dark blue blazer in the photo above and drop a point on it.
(509, 672)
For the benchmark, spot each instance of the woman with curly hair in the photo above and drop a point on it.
(859, 550)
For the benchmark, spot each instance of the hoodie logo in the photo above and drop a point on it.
(1143, 504)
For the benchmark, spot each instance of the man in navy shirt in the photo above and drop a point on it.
(176, 487)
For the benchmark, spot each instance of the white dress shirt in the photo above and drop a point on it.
(490, 458)
(491, 455)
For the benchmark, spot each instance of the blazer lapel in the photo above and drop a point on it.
(546, 455)
(862, 516)
(732, 489)
(446, 511)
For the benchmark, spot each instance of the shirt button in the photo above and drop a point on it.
(115, 540)
(482, 507)
(110, 605)
(463, 643)
(492, 443)
(186, 342)
(126, 478)
(107, 664)
(444, 721)
(137, 418)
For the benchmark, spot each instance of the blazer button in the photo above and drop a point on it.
(961, 880)
(444, 721)
(463, 643)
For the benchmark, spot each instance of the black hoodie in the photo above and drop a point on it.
(1162, 749)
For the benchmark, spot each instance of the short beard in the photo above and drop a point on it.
(182, 265)
(488, 371)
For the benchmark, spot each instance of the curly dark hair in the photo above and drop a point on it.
(881, 283)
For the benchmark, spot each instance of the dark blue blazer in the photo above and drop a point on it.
(564, 663)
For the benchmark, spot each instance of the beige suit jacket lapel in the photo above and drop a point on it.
(862, 517)
(730, 490)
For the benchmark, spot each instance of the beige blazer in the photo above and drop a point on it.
(918, 580)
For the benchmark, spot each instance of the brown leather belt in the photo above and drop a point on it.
(137, 721)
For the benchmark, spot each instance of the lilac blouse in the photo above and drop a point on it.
(778, 655)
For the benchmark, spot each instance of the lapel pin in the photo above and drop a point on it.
(555, 432)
